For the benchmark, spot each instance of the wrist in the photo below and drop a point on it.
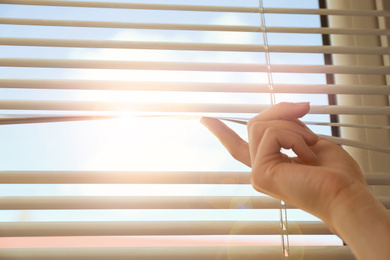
(363, 223)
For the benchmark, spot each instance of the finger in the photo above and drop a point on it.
(258, 129)
(283, 111)
(235, 145)
(274, 139)
(269, 166)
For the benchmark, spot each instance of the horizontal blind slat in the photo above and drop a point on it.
(145, 177)
(192, 27)
(50, 119)
(178, 107)
(179, 253)
(158, 228)
(384, 127)
(244, 121)
(326, 11)
(191, 46)
(193, 86)
(190, 66)
(120, 106)
(200, 8)
(138, 202)
(357, 144)
(349, 110)
(140, 6)
(141, 177)
(127, 25)
(145, 202)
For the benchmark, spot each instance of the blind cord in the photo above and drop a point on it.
(267, 53)
(283, 209)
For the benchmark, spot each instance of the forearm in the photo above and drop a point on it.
(364, 224)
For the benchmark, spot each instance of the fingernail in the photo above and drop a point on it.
(302, 103)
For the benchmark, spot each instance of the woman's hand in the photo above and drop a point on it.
(323, 179)
(314, 180)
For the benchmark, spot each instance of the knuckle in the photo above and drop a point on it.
(255, 122)
(271, 132)
(257, 127)
(251, 122)
(263, 175)
(297, 140)
(261, 181)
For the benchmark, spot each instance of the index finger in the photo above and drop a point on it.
(235, 145)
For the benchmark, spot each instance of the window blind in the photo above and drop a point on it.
(66, 61)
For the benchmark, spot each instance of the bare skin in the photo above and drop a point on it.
(323, 179)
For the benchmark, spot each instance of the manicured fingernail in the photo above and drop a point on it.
(302, 103)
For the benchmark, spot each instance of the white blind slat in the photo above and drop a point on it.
(144, 202)
(138, 202)
(353, 143)
(50, 119)
(200, 8)
(192, 27)
(142, 177)
(191, 46)
(127, 25)
(384, 127)
(145, 177)
(344, 12)
(191, 66)
(244, 121)
(193, 86)
(158, 228)
(178, 253)
(178, 107)
(147, 6)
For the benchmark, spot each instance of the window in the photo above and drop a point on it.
(102, 152)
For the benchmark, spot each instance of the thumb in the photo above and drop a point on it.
(284, 111)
